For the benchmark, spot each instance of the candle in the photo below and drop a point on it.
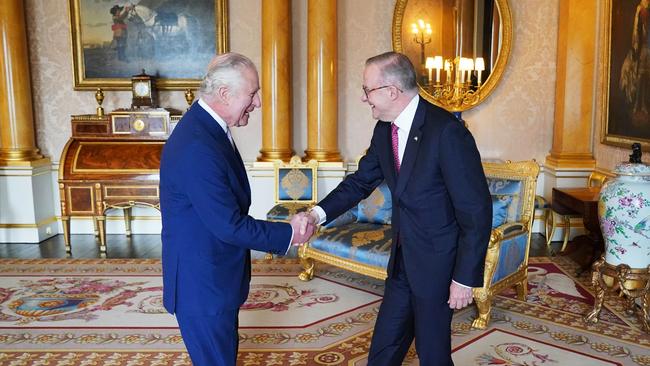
(479, 65)
(448, 70)
(437, 64)
(429, 64)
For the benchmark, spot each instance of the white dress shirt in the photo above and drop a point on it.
(225, 128)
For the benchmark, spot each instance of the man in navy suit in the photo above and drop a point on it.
(204, 199)
(441, 214)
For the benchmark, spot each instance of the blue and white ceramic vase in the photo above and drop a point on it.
(624, 212)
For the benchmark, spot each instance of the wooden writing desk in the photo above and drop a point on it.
(583, 202)
(112, 162)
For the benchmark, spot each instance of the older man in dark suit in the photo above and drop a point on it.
(204, 198)
(441, 217)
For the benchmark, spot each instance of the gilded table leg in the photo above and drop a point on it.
(645, 317)
(550, 221)
(567, 231)
(65, 221)
(600, 286)
(101, 225)
(95, 227)
(127, 220)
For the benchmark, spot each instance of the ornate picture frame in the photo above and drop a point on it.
(625, 94)
(171, 39)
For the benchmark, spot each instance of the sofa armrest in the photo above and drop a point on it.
(347, 218)
(506, 230)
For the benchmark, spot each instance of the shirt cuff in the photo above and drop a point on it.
(290, 241)
(322, 216)
(460, 284)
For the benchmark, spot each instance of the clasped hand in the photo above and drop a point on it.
(304, 226)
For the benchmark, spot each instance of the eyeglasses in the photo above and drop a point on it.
(368, 91)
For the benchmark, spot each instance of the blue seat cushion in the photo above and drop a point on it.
(285, 210)
(362, 242)
(500, 205)
(378, 207)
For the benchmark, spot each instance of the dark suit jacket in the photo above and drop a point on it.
(442, 210)
(206, 230)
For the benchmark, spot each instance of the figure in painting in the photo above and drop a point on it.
(635, 72)
(119, 28)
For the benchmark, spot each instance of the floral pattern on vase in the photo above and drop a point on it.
(624, 212)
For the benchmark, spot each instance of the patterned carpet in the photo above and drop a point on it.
(101, 312)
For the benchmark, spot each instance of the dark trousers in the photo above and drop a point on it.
(211, 340)
(403, 316)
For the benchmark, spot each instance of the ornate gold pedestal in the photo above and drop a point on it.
(633, 282)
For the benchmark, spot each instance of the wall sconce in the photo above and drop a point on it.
(422, 36)
(457, 89)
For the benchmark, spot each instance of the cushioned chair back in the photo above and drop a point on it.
(376, 208)
(296, 181)
(506, 199)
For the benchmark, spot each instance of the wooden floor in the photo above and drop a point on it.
(143, 246)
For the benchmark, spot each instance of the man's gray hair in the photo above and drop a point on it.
(396, 69)
(224, 70)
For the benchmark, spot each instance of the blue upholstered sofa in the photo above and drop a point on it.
(360, 239)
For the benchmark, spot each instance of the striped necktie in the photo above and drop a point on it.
(395, 140)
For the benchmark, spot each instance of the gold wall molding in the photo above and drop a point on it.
(44, 222)
(322, 81)
(277, 124)
(17, 140)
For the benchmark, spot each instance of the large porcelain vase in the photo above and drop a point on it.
(624, 212)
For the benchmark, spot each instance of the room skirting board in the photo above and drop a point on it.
(26, 206)
(40, 219)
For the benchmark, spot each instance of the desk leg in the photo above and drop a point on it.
(101, 225)
(127, 220)
(65, 221)
(95, 227)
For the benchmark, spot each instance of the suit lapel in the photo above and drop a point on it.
(412, 146)
(242, 173)
(223, 143)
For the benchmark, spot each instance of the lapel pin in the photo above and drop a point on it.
(415, 138)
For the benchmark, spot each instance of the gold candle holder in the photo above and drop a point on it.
(189, 97)
(99, 97)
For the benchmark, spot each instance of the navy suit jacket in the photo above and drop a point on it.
(207, 233)
(442, 210)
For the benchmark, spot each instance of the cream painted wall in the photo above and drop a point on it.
(514, 123)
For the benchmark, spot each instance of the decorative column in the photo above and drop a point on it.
(276, 81)
(322, 103)
(27, 213)
(17, 143)
(571, 157)
(575, 91)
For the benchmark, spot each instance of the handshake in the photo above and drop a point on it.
(304, 226)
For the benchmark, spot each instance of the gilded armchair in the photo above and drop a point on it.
(512, 186)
